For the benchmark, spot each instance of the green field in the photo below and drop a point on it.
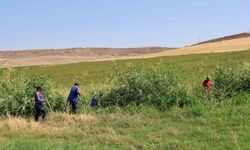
(206, 125)
(94, 73)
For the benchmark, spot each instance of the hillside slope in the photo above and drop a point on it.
(238, 44)
(230, 37)
(71, 55)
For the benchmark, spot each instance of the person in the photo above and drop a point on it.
(207, 84)
(73, 98)
(39, 104)
(94, 101)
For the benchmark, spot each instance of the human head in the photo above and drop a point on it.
(39, 88)
(207, 77)
(76, 84)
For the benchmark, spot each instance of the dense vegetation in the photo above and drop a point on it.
(159, 87)
(17, 93)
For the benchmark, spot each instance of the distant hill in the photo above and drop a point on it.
(237, 42)
(82, 52)
(230, 37)
(71, 55)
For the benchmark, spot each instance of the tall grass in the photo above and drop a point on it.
(17, 92)
(159, 87)
(230, 81)
(164, 87)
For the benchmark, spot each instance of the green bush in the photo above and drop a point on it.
(230, 81)
(17, 93)
(160, 87)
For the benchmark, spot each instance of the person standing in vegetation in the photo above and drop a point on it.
(207, 84)
(94, 101)
(73, 98)
(39, 104)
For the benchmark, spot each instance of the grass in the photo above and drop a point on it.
(221, 128)
(212, 125)
(94, 73)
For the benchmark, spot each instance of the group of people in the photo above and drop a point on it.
(72, 101)
(74, 95)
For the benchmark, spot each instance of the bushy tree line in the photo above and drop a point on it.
(164, 88)
(159, 87)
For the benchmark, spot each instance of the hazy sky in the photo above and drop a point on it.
(29, 24)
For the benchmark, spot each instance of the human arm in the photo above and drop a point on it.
(78, 93)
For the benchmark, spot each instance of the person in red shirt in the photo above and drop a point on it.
(207, 84)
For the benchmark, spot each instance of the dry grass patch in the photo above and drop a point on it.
(56, 123)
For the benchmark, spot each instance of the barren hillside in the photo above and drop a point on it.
(238, 44)
(71, 55)
(230, 37)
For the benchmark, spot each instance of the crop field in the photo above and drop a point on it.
(153, 103)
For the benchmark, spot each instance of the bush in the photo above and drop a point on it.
(17, 93)
(158, 87)
(230, 81)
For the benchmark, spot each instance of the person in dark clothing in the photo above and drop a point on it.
(94, 101)
(73, 98)
(39, 104)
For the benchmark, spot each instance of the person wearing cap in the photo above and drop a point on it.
(39, 104)
(207, 84)
(73, 98)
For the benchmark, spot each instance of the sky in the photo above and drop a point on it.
(35, 24)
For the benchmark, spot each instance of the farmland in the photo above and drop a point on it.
(219, 123)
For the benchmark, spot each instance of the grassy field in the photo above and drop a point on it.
(207, 125)
(94, 73)
(217, 128)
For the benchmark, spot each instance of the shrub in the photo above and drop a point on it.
(158, 87)
(17, 93)
(230, 81)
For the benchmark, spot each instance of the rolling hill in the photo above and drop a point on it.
(227, 44)
(71, 55)
(237, 42)
(225, 38)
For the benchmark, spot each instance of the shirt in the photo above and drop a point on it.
(39, 103)
(94, 102)
(207, 84)
(73, 95)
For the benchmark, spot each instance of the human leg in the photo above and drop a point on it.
(74, 107)
(37, 113)
(43, 113)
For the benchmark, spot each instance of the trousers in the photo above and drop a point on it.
(38, 111)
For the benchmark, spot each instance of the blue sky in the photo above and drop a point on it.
(33, 24)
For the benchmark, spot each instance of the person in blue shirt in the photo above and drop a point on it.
(39, 104)
(94, 101)
(73, 98)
